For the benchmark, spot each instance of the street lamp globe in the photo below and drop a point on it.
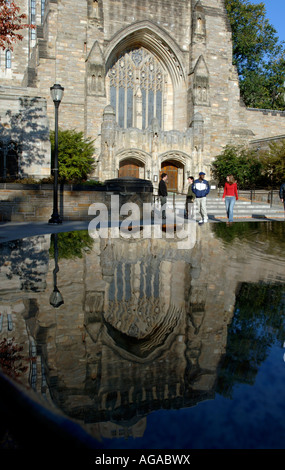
(56, 92)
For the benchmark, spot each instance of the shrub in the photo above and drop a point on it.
(273, 163)
(242, 162)
(75, 155)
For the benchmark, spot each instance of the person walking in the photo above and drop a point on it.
(162, 192)
(201, 189)
(230, 196)
(190, 198)
(282, 194)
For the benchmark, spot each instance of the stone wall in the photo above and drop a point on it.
(22, 203)
(265, 123)
(24, 122)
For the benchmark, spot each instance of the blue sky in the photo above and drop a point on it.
(275, 12)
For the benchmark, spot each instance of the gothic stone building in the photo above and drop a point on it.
(151, 81)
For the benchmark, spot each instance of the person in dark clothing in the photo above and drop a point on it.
(282, 193)
(162, 192)
(190, 198)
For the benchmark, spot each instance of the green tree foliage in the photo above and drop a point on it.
(251, 168)
(258, 55)
(71, 245)
(257, 324)
(11, 22)
(241, 162)
(273, 164)
(75, 155)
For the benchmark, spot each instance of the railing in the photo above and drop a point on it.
(263, 195)
(171, 196)
(269, 195)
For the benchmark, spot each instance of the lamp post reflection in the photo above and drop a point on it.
(56, 299)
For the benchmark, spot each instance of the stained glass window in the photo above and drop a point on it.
(8, 59)
(42, 10)
(137, 82)
(33, 18)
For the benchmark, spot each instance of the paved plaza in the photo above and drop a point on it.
(12, 230)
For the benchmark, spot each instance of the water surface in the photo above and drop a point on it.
(144, 345)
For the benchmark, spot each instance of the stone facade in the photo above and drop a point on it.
(151, 81)
(24, 134)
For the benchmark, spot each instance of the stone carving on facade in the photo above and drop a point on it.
(198, 131)
(155, 140)
(95, 72)
(154, 146)
(94, 9)
(138, 111)
(108, 140)
(199, 24)
(201, 83)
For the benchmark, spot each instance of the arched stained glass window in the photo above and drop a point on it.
(137, 82)
(8, 59)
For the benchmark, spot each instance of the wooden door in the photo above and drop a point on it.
(172, 172)
(129, 168)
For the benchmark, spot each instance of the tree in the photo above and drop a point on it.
(243, 163)
(11, 358)
(75, 155)
(273, 164)
(11, 22)
(258, 55)
(72, 245)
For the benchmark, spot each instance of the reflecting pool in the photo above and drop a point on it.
(135, 344)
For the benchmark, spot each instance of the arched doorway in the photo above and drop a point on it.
(131, 167)
(171, 168)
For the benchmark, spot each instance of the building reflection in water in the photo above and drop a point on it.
(143, 326)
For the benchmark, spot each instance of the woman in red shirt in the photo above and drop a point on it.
(230, 195)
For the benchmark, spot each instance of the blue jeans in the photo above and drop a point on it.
(230, 202)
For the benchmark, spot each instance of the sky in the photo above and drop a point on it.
(275, 12)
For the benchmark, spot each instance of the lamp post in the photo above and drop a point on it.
(56, 299)
(56, 92)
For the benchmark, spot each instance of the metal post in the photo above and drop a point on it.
(56, 299)
(56, 92)
(55, 218)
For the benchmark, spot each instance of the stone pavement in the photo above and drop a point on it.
(15, 230)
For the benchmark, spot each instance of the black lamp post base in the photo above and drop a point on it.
(55, 219)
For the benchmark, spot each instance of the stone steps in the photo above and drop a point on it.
(243, 208)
